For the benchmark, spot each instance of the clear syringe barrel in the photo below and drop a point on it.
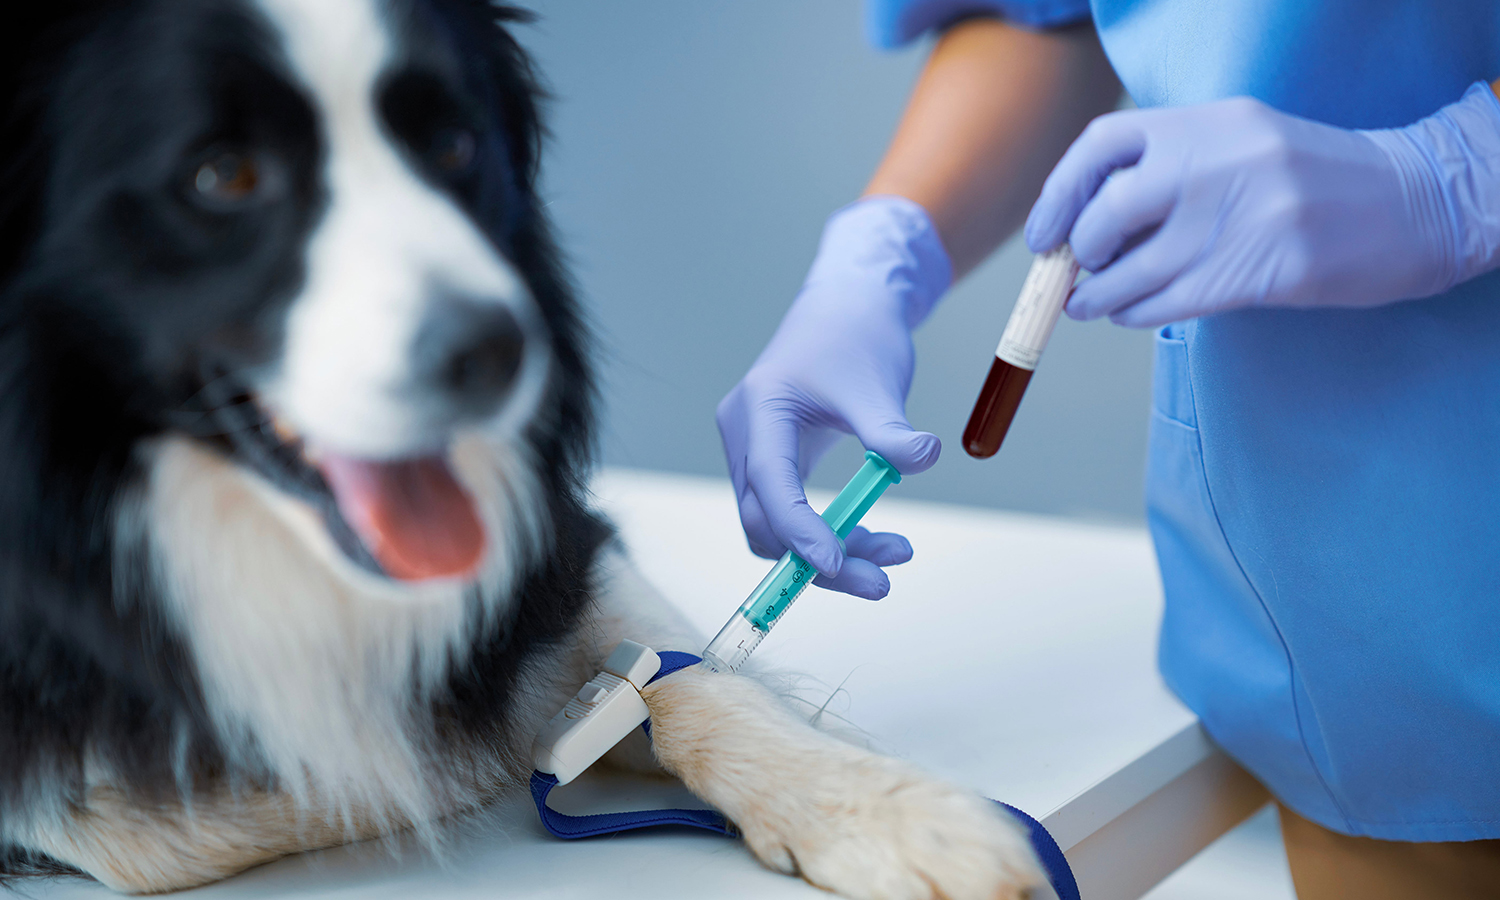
(780, 588)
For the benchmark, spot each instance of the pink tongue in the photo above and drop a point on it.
(412, 515)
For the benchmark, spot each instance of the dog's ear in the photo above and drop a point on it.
(34, 42)
(520, 95)
(518, 88)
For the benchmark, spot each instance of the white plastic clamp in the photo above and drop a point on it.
(599, 716)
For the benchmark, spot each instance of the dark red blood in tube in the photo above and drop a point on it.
(997, 404)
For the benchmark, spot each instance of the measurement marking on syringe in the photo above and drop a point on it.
(792, 574)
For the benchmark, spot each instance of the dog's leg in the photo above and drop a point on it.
(626, 607)
(843, 818)
(147, 848)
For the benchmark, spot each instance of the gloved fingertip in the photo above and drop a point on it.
(1077, 310)
(828, 562)
(881, 548)
(1041, 231)
(908, 450)
(1033, 237)
(1088, 261)
(860, 578)
(876, 588)
(921, 452)
(865, 580)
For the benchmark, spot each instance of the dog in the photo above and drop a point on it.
(295, 430)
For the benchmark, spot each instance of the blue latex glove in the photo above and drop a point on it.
(1201, 209)
(841, 361)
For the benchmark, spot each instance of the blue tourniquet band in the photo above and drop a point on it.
(568, 827)
(1051, 855)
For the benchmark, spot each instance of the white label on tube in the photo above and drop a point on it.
(1042, 297)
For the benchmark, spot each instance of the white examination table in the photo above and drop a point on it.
(1015, 655)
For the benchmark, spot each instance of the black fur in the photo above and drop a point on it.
(118, 301)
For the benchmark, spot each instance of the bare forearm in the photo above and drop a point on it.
(993, 111)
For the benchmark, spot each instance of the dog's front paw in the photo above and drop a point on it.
(872, 828)
(843, 818)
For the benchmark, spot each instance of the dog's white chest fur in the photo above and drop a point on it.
(322, 681)
(310, 666)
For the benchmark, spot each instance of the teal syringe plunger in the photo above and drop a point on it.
(776, 592)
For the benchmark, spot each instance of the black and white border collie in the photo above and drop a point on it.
(295, 546)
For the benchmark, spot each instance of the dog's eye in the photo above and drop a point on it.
(228, 178)
(453, 150)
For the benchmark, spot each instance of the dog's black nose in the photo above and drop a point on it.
(470, 352)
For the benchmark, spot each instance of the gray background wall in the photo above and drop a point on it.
(698, 147)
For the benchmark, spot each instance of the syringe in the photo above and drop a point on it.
(774, 595)
(610, 706)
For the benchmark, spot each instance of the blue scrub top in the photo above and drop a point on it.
(1323, 487)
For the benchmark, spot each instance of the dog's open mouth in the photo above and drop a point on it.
(411, 514)
(407, 519)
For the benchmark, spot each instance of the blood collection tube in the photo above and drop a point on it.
(1043, 294)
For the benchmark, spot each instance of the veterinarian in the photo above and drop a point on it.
(1324, 476)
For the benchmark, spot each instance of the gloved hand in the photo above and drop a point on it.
(841, 361)
(1201, 209)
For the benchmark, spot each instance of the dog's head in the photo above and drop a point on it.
(302, 231)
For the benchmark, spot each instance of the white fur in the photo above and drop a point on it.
(842, 817)
(312, 668)
(386, 241)
(320, 673)
(309, 665)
